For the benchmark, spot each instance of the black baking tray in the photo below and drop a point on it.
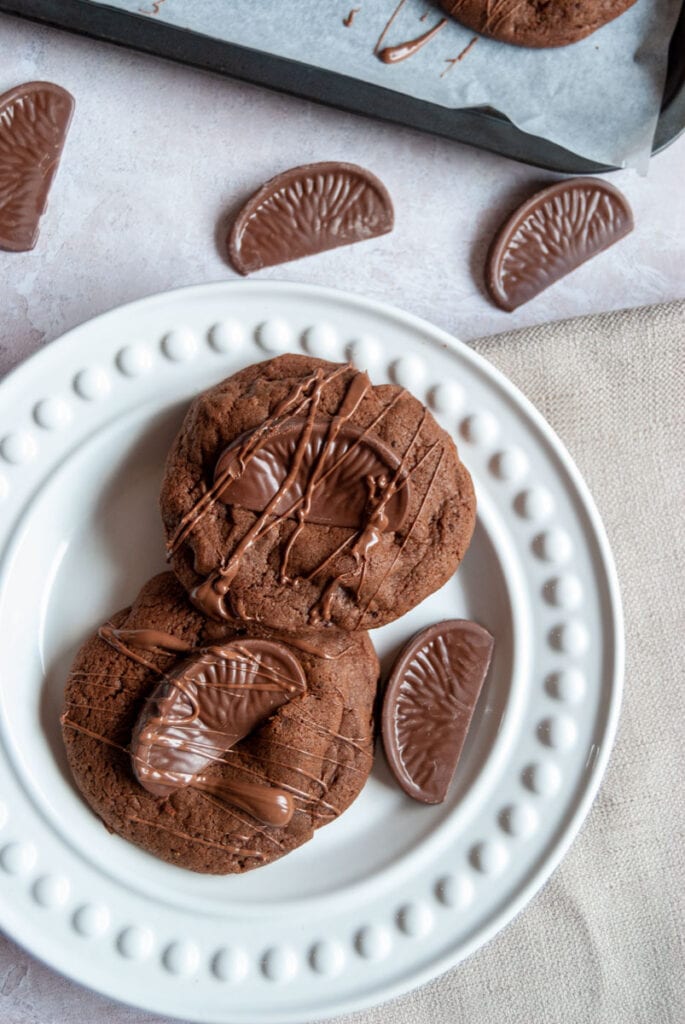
(480, 127)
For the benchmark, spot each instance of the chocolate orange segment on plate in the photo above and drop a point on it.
(552, 234)
(34, 120)
(308, 210)
(429, 702)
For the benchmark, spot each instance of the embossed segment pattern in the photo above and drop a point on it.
(34, 120)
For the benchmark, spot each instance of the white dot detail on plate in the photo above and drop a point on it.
(179, 345)
(92, 384)
(510, 465)
(558, 732)
(327, 958)
(227, 336)
(455, 891)
(18, 448)
(364, 353)
(408, 371)
(542, 778)
(446, 398)
(4, 488)
(18, 858)
(373, 942)
(570, 638)
(568, 685)
(519, 820)
(563, 592)
(536, 504)
(181, 958)
(229, 964)
(553, 546)
(321, 341)
(135, 943)
(279, 963)
(51, 891)
(489, 857)
(274, 336)
(415, 920)
(480, 428)
(52, 413)
(91, 920)
(134, 360)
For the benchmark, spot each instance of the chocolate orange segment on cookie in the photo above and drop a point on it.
(536, 23)
(299, 494)
(429, 702)
(308, 210)
(554, 232)
(144, 681)
(34, 120)
(203, 708)
(334, 479)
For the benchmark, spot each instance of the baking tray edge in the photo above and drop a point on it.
(478, 127)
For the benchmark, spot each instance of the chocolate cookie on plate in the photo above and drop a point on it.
(298, 494)
(217, 748)
(532, 23)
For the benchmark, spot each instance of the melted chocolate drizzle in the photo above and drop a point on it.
(388, 25)
(349, 20)
(402, 51)
(453, 61)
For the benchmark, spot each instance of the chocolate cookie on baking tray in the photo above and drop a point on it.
(534, 23)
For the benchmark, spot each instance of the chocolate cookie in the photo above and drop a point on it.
(532, 23)
(297, 494)
(218, 748)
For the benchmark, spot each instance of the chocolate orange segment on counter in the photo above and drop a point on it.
(34, 120)
(429, 701)
(554, 232)
(308, 210)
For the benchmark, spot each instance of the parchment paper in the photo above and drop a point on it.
(599, 98)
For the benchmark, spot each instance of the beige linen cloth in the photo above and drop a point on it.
(604, 941)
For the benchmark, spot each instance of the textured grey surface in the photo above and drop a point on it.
(156, 154)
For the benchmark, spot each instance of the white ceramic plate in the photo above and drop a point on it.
(394, 892)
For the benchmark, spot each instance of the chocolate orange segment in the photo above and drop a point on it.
(429, 702)
(207, 704)
(34, 120)
(308, 210)
(552, 234)
(347, 470)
